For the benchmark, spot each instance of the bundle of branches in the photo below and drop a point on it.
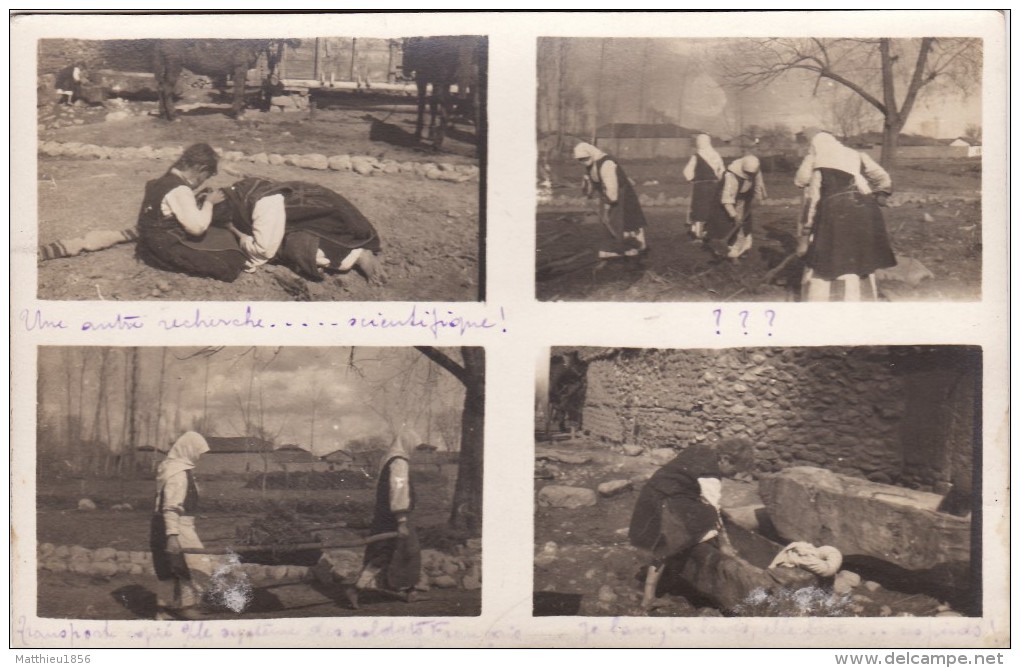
(280, 528)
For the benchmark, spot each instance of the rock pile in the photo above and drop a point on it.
(364, 165)
(440, 570)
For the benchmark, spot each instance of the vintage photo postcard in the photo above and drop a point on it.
(759, 169)
(511, 329)
(226, 483)
(759, 482)
(320, 168)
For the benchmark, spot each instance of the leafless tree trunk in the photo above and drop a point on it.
(467, 494)
(848, 62)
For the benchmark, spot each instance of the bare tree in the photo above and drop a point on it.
(467, 494)
(850, 114)
(873, 69)
(972, 133)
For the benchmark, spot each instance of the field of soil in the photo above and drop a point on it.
(935, 219)
(429, 228)
(585, 565)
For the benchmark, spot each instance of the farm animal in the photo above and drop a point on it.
(443, 62)
(210, 57)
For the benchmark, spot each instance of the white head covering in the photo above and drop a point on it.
(746, 167)
(182, 456)
(827, 152)
(402, 446)
(589, 153)
(704, 145)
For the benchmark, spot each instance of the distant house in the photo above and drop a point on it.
(295, 458)
(642, 141)
(973, 149)
(236, 454)
(915, 146)
(338, 460)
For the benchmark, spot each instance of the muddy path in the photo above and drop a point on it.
(68, 596)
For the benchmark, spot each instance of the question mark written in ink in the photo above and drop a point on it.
(718, 316)
(743, 321)
(771, 315)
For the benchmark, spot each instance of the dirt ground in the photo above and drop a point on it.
(229, 505)
(585, 564)
(429, 229)
(679, 269)
(67, 596)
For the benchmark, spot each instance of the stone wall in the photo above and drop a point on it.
(857, 411)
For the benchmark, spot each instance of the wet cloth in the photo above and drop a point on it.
(176, 232)
(823, 561)
(678, 506)
(297, 223)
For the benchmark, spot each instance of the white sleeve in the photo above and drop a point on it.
(711, 491)
(400, 486)
(877, 177)
(174, 492)
(807, 167)
(181, 203)
(268, 223)
(608, 176)
(689, 169)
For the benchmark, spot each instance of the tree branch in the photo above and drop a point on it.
(446, 362)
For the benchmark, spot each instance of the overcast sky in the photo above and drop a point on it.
(385, 390)
(682, 78)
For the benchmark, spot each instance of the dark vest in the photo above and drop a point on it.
(703, 171)
(385, 519)
(151, 215)
(190, 498)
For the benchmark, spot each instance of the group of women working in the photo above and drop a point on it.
(223, 233)
(842, 235)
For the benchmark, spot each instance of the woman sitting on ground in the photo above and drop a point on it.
(174, 226)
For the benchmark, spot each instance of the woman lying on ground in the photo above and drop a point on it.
(305, 226)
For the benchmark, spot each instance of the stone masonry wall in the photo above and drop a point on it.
(839, 408)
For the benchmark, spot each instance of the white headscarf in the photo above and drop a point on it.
(704, 145)
(182, 456)
(827, 152)
(746, 167)
(590, 153)
(402, 446)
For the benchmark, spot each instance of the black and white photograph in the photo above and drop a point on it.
(315, 169)
(758, 169)
(233, 483)
(759, 482)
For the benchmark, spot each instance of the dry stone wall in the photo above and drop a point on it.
(837, 408)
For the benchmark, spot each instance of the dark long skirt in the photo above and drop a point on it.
(704, 200)
(216, 255)
(400, 559)
(850, 237)
(669, 526)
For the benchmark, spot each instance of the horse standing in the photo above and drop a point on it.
(210, 57)
(443, 62)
